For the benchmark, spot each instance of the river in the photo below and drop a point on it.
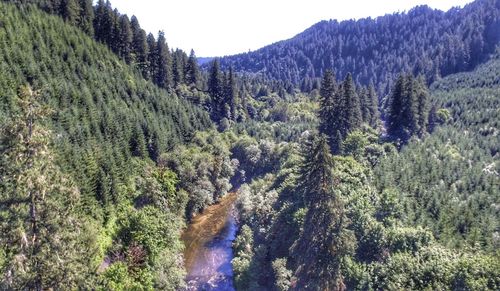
(208, 252)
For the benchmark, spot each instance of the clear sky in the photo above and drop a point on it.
(225, 27)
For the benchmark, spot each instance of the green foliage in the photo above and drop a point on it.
(408, 111)
(243, 249)
(447, 182)
(46, 242)
(282, 275)
(422, 40)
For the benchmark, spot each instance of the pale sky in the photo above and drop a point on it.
(226, 27)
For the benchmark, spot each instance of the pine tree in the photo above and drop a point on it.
(179, 61)
(365, 104)
(372, 98)
(86, 17)
(70, 11)
(215, 90)
(192, 71)
(152, 57)
(423, 106)
(408, 108)
(139, 47)
(163, 77)
(230, 96)
(41, 235)
(395, 115)
(103, 22)
(353, 105)
(325, 240)
(125, 39)
(326, 103)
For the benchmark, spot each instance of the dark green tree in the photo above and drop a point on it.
(125, 39)
(325, 241)
(327, 118)
(70, 11)
(178, 65)
(230, 96)
(372, 100)
(152, 57)
(216, 91)
(163, 76)
(192, 74)
(352, 105)
(86, 19)
(139, 47)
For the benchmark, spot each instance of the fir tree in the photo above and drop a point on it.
(139, 47)
(192, 70)
(86, 17)
(230, 96)
(70, 11)
(372, 98)
(352, 103)
(215, 90)
(163, 76)
(125, 39)
(152, 57)
(325, 241)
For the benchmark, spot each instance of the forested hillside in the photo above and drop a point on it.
(421, 41)
(450, 180)
(80, 129)
(111, 144)
(373, 217)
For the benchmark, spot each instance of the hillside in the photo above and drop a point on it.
(423, 217)
(422, 40)
(104, 110)
(450, 180)
(79, 132)
(112, 146)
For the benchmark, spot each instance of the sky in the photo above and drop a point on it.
(225, 27)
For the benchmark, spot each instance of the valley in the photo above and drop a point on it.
(358, 155)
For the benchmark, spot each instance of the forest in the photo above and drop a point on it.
(365, 155)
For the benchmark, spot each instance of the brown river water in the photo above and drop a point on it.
(208, 252)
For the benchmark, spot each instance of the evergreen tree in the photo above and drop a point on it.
(86, 19)
(41, 235)
(103, 22)
(230, 96)
(215, 90)
(365, 104)
(178, 67)
(70, 11)
(353, 105)
(163, 76)
(408, 108)
(328, 122)
(139, 47)
(325, 241)
(152, 57)
(192, 70)
(423, 106)
(394, 116)
(372, 99)
(125, 39)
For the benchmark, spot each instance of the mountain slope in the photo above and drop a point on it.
(423, 40)
(450, 182)
(105, 112)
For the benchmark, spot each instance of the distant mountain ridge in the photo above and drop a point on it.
(422, 40)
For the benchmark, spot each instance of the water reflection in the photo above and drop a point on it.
(208, 251)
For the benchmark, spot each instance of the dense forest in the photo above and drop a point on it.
(364, 154)
(422, 41)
